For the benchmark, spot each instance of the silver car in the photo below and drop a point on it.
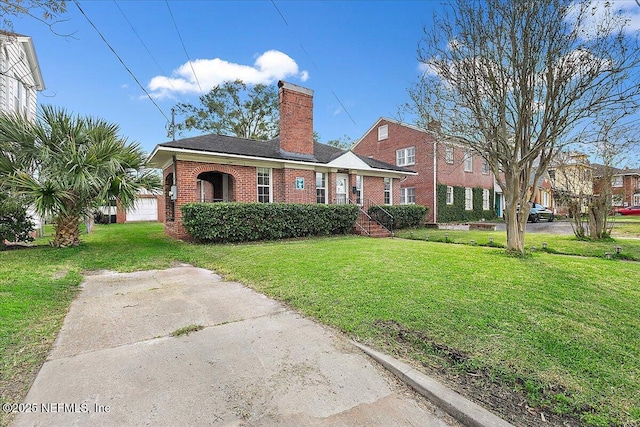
(539, 212)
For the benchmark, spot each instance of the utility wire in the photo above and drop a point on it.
(120, 59)
(144, 45)
(183, 46)
(311, 59)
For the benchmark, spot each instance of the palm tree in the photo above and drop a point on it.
(66, 164)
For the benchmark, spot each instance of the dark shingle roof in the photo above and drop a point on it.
(223, 144)
(599, 170)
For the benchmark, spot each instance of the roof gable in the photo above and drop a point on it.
(349, 160)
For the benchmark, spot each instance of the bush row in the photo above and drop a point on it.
(403, 216)
(243, 222)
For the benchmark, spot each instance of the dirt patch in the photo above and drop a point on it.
(456, 370)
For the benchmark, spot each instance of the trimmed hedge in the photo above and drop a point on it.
(403, 216)
(244, 222)
(456, 212)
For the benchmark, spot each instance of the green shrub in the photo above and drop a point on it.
(15, 224)
(404, 216)
(243, 222)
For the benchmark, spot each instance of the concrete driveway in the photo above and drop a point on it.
(255, 363)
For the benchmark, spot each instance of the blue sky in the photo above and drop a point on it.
(362, 52)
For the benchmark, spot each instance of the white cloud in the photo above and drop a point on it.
(615, 13)
(268, 67)
(425, 68)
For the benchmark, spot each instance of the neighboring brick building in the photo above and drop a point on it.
(441, 166)
(289, 169)
(625, 184)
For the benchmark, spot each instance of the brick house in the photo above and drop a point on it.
(542, 192)
(291, 168)
(625, 184)
(446, 171)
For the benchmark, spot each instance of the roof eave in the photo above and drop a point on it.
(164, 149)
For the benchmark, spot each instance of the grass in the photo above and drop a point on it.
(561, 330)
(186, 330)
(625, 235)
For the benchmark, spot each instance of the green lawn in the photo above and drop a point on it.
(563, 330)
(625, 234)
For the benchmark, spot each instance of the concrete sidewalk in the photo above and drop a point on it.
(255, 363)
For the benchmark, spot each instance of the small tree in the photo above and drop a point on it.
(512, 80)
(233, 109)
(64, 163)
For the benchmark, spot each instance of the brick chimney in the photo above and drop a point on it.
(296, 118)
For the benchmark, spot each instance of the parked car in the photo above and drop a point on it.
(629, 210)
(539, 212)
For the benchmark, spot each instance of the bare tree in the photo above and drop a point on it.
(612, 147)
(514, 80)
(46, 11)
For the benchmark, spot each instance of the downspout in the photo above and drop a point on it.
(435, 177)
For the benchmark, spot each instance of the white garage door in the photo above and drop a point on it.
(144, 210)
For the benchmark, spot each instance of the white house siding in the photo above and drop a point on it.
(20, 77)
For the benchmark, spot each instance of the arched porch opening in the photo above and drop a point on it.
(169, 202)
(214, 187)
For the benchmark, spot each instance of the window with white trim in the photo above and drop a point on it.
(408, 196)
(388, 200)
(468, 162)
(636, 199)
(383, 132)
(321, 188)
(264, 185)
(448, 154)
(617, 181)
(485, 199)
(545, 199)
(406, 156)
(449, 195)
(468, 199)
(485, 167)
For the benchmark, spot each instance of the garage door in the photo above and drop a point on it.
(144, 210)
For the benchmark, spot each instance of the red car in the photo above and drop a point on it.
(630, 210)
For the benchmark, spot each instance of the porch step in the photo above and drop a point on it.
(375, 229)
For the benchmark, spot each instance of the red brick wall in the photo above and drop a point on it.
(296, 119)
(400, 137)
(293, 195)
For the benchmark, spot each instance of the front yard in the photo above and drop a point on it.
(548, 333)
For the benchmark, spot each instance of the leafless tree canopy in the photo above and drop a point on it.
(518, 80)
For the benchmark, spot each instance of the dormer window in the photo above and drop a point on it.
(383, 132)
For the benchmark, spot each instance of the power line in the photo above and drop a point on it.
(120, 59)
(311, 59)
(183, 46)
(144, 45)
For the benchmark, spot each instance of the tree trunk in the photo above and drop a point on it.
(515, 227)
(598, 219)
(66, 231)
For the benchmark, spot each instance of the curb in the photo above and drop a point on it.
(462, 409)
